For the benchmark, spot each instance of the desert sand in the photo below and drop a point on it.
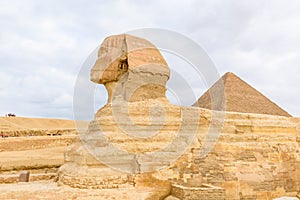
(33, 144)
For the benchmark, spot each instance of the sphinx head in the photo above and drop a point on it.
(131, 68)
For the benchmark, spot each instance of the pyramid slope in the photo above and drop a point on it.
(238, 96)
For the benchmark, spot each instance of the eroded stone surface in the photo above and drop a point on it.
(131, 68)
(24, 176)
(255, 157)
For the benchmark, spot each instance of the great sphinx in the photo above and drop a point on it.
(139, 139)
(138, 130)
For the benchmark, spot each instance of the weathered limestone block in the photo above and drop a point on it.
(260, 162)
(24, 176)
(200, 193)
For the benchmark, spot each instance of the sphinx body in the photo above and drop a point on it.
(134, 132)
(139, 139)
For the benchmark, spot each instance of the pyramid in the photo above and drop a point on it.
(230, 93)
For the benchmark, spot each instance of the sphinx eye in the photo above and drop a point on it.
(123, 66)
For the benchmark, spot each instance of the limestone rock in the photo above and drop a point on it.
(171, 198)
(24, 176)
(131, 68)
(138, 139)
(118, 143)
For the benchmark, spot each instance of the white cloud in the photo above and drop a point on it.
(44, 43)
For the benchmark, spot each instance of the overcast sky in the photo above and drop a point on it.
(43, 45)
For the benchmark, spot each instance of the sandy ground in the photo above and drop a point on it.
(31, 159)
(35, 151)
(17, 123)
(31, 154)
(37, 154)
(50, 190)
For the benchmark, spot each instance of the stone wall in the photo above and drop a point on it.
(36, 142)
(37, 132)
(14, 178)
(200, 193)
(255, 157)
(122, 181)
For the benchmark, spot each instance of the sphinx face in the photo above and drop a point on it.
(130, 67)
(111, 60)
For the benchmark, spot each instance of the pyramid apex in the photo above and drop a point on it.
(229, 74)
